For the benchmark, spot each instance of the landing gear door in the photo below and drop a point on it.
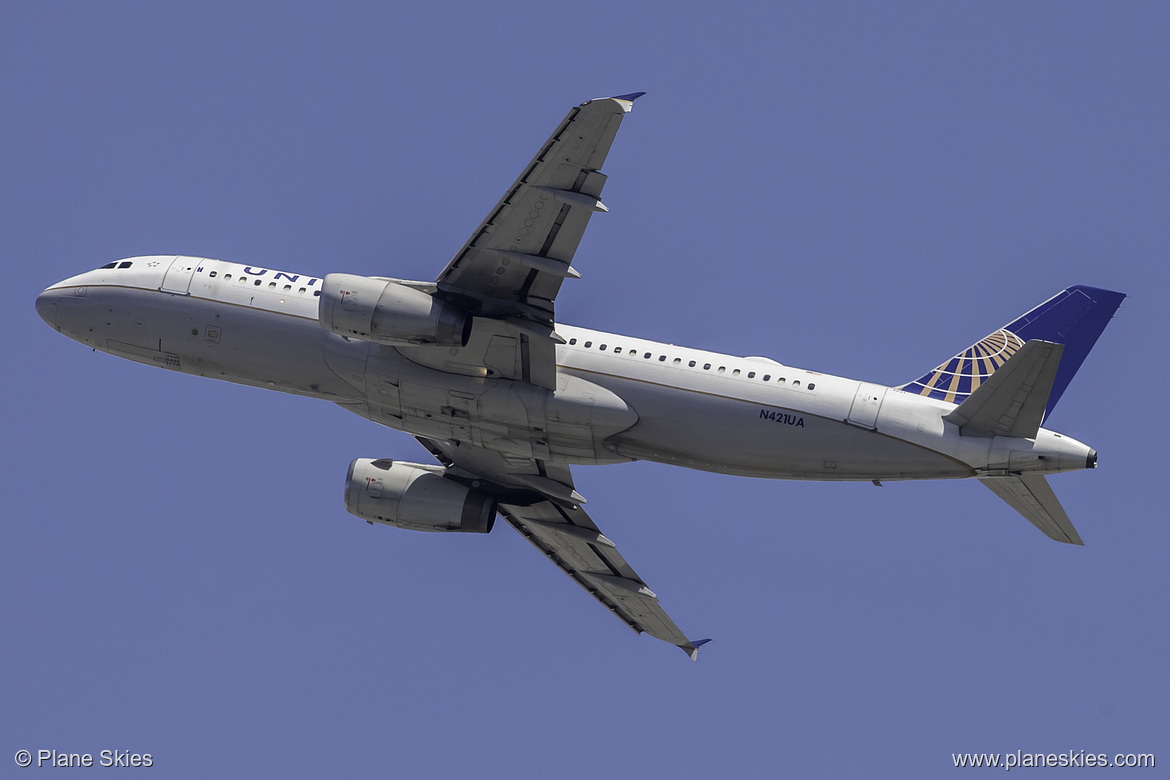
(178, 276)
(866, 404)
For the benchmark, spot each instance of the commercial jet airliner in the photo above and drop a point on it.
(475, 366)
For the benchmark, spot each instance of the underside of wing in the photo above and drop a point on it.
(570, 539)
(509, 272)
(505, 349)
(538, 499)
(515, 261)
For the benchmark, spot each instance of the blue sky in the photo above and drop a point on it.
(852, 188)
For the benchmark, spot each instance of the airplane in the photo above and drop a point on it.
(506, 399)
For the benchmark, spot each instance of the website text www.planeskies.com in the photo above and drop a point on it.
(1070, 758)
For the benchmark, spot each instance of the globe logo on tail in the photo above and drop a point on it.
(957, 378)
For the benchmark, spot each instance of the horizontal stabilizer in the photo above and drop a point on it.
(1032, 497)
(1011, 401)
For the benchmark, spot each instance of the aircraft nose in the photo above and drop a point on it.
(47, 306)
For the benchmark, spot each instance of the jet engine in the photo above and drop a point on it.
(410, 495)
(389, 312)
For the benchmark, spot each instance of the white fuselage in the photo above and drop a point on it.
(618, 398)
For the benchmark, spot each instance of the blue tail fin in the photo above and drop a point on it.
(1074, 317)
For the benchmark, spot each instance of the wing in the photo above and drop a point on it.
(508, 274)
(539, 501)
(515, 261)
(510, 270)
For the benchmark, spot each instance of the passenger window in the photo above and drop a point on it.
(257, 282)
(706, 366)
(588, 344)
(572, 342)
(767, 377)
(616, 350)
(812, 386)
(316, 293)
(243, 279)
(796, 383)
(288, 287)
(212, 274)
(301, 290)
(271, 285)
(677, 361)
(751, 375)
(227, 276)
(691, 364)
(781, 380)
(662, 358)
(722, 369)
(647, 356)
(602, 348)
(735, 372)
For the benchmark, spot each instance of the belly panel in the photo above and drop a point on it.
(733, 436)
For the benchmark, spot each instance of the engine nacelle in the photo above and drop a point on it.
(410, 495)
(388, 312)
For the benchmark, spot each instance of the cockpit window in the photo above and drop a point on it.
(125, 265)
(109, 265)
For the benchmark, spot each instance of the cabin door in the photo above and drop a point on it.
(866, 404)
(178, 277)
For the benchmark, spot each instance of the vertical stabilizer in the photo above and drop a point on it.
(1073, 318)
